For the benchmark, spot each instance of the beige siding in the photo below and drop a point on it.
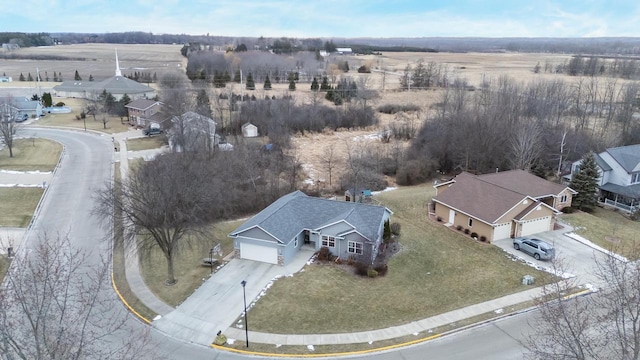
(559, 205)
(460, 219)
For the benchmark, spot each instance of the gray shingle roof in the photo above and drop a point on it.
(603, 164)
(292, 213)
(632, 191)
(627, 156)
(141, 104)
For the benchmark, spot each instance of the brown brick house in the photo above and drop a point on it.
(143, 112)
(501, 205)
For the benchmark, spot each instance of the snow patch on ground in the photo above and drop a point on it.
(367, 137)
(579, 238)
(22, 185)
(550, 270)
(390, 188)
(25, 172)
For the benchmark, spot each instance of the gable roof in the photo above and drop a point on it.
(627, 156)
(480, 199)
(523, 183)
(292, 213)
(603, 164)
(142, 104)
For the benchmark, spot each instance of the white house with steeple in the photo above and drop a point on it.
(117, 85)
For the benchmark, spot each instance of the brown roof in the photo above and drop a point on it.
(141, 104)
(523, 183)
(478, 198)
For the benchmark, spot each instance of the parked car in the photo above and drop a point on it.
(22, 117)
(152, 131)
(537, 248)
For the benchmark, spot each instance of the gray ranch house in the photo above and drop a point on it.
(296, 220)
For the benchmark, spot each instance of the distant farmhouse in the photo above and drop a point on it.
(6, 78)
(344, 51)
(117, 85)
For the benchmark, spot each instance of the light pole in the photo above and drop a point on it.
(246, 326)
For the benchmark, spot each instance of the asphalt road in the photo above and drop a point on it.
(87, 164)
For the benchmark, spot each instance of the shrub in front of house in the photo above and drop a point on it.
(568, 210)
(474, 235)
(396, 227)
(362, 269)
(324, 254)
(459, 227)
(439, 219)
(381, 269)
(351, 260)
(467, 231)
(372, 273)
(483, 238)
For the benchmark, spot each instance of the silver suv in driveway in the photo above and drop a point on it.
(535, 247)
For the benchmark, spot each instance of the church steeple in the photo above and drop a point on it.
(118, 72)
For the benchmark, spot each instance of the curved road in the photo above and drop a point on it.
(87, 164)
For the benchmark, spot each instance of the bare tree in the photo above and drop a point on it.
(8, 126)
(165, 199)
(526, 145)
(55, 304)
(605, 325)
(329, 161)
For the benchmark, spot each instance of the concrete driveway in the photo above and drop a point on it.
(578, 258)
(218, 302)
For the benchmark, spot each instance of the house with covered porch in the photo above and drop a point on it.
(619, 177)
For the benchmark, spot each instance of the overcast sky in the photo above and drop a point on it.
(329, 18)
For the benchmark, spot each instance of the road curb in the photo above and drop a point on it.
(126, 304)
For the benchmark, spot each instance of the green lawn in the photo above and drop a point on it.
(146, 143)
(188, 267)
(31, 154)
(437, 270)
(17, 205)
(608, 229)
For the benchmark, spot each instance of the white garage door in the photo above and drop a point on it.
(536, 225)
(502, 231)
(259, 253)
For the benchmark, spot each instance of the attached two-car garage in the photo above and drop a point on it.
(258, 253)
(535, 226)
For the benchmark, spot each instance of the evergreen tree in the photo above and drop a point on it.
(267, 83)
(60, 76)
(585, 182)
(292, 85)
(202, 103)
(226, 77)
(29, 77)
(46, 76)
(55, 77)
(77, 76)
(236, 77)
(21, 77)
(386, 234)
(90, 77)
(47, 101)
(250, 84)
(155, 77)
(314, 84)
(120, 106)
(324, 86)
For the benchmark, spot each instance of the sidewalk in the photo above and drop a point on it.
(132, 266)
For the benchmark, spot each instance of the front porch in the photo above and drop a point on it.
(623, 202)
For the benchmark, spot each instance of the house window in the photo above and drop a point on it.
(354, 247)
(295, 243)
(470, 222)
(635, 178)
(328, 241)
(563, 198)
